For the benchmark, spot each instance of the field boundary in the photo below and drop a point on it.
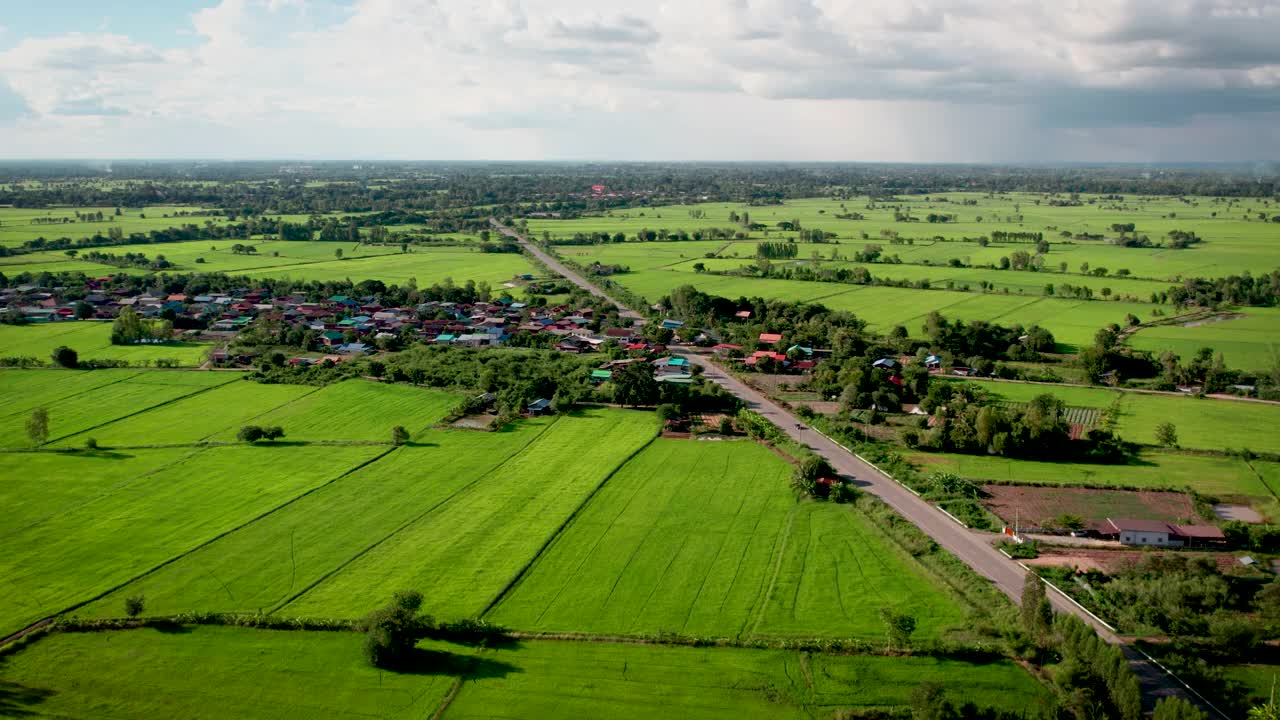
(206, 543)
(520, 574)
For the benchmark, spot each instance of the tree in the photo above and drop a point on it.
(392, 631)
(134, 605)
(1037, 613)
(84, 310)
(38, 426)
(337, 253)
(1173, 708)
(1167, 434)
(635, 385)
(250, 434)
(64, 356)
(667, 412)
(897, 627)
(273, 432)
(399, 435)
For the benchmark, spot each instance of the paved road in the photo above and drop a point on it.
(974, 549)
(560, 268)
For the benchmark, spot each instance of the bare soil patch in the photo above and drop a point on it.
(1114, 561)
(1035, 506)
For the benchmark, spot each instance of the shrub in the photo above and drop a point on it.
(274, 432)
(91, 444)
(134, 605)
(64, 356)
(399, 435)
(250, 434)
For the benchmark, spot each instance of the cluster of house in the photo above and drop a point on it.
(344, 326)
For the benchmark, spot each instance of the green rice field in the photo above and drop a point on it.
(200, 673)
(1200, 422)
(295, 260)
(1249, 339)
(85, 401)
(1233, 243)
(1224, 477)
(92, 341)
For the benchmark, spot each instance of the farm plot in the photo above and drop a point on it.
(836, 570)
(38, 485)
(194, 418)
(201, 674)
(27, 389)
(679, 540)
(426, 265)
(356, 410)
(92, 340)
(1202, 423)
(73, 556)
(272, 560)
(1249, 340)
(1032, 506)
(100, 405)
(1226, 477)
(560, 679)
(465, 553)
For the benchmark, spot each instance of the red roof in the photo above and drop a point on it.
(1202, 532)
(743, 314)
(726, 346)
(637, 346)
(770, 338)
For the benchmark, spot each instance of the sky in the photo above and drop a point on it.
(1013, 81)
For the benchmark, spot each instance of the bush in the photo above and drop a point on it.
(64, 356)
(250, 434)
(275, 432)
(91, 444)
(134, 605)
(726, 425)
(399, 435)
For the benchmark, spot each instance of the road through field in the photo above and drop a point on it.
(975, 550)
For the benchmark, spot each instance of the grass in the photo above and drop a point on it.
(558, 679)
(837, 570)
(1233, 244)
(270, 561)
(1247, 342)
(16, 225)
(92, 341)
(357, 410)
(72, 556)
(38, 485)
(196, 417)
(1156, 470)
(463, 554)
(201, 672)
(679, 540)
(1200, 422)
(86, 404)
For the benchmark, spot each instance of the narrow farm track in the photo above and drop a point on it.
(974, 550)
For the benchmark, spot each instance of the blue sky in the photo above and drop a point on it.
(875, 80)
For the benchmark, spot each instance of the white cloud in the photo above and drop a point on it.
(1019, 79)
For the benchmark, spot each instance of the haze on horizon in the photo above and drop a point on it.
(787, 80)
